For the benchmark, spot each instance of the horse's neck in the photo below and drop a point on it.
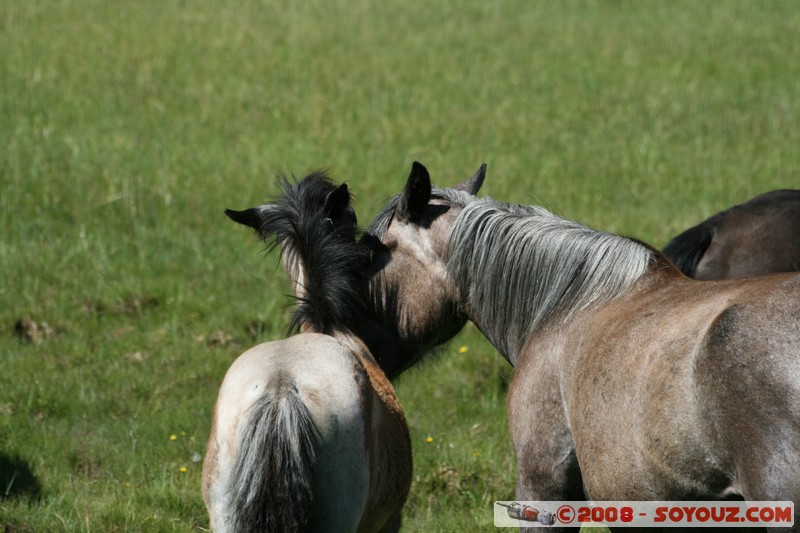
(380, 382)
(386, 347)
(661, 273)
(494, 337)
(532, 271)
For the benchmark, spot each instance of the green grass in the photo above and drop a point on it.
(127, 127)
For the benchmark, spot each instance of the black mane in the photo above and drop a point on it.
(314, 225)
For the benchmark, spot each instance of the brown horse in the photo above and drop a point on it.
(308, 434)
(632, 381)
(758, 237)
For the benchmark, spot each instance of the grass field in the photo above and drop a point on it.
(127, 127)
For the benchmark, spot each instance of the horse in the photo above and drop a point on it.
(758, 237)
(307, 432)
(632, 381)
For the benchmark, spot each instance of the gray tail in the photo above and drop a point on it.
(272, 480)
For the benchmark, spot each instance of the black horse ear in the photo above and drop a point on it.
(415, 195)
(253, 217)
(337, 201)
(473, 184)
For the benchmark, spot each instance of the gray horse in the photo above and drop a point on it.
(649, 385)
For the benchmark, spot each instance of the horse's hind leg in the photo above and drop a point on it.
(773, 474)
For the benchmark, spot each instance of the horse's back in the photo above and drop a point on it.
(333, 387)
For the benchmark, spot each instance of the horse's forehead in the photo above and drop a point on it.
(442, 225)
(434, 230)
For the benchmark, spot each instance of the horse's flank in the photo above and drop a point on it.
(656, 400)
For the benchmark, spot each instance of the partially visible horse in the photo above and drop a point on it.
(632, 381)
(758, 237)
(308, 434)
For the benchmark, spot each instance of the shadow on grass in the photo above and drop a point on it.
(17, 479)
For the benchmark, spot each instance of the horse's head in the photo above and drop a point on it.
(409, 288)
(315, 227)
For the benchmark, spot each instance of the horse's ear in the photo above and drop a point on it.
(473, 184)
(337, 201)
(415, 195)
(253, 217)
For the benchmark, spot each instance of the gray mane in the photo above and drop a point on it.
(517, 266)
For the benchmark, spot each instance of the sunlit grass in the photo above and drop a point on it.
(127, 127)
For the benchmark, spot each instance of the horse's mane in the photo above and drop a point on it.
(333, 262)
(517, 266)
(688, 248)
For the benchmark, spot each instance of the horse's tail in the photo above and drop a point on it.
(688, 248)
(271, 484)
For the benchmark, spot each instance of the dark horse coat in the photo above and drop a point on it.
(758, 237)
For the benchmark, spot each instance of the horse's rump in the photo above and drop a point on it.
(272, 480)
(748, 380)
